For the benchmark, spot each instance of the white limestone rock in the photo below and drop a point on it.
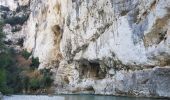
(131, 33)
(88, 39)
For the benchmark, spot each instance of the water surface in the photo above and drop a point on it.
(33, 97)
(98, 97)
(73, 97)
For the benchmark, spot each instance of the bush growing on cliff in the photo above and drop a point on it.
(2, 80)
(1, 35)
(2, 70)
(35, 83)
(10, 77)
(25, 54)
(13, 77)
(16, 20)
(47, 80)
(5, 63)
(35, 63)
(3, 8)
(35, 80)
(11, 73)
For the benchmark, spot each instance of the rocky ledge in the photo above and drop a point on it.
(143, 83)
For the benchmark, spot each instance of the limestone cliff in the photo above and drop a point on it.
(113, 47)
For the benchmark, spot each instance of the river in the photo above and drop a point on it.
(73, 97)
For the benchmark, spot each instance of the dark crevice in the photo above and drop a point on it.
(35, 39)
(3, 8)
(90, 69)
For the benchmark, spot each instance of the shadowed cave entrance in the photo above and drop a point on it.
(90, 69)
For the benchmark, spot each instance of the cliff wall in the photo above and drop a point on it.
(112, 47)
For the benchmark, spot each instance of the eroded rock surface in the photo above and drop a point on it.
(101, 46)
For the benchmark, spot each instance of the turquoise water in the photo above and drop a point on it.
(72, 97)
(97, 97)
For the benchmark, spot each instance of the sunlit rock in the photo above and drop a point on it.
(101, 46)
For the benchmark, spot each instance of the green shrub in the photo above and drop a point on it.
(47, 80)
(12, 80)
(10, 72)
(5, 60)
(16, 20)
(3, 8)
(34, 83)
(1, 23)
(2, 77)
(26, 54)
(1, 35)
(3, 82)
(6, 90)
(35, 63)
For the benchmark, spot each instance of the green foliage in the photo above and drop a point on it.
(9, 72)
(16, 20)
(47, 80)
(25, 54)
(6, 90)
(1, 35)
(6, 71)
(34, 83)
(2, 23)
(6, 61)
(2, 77)
(24, 80)
(3, 8)
(35, 63)
(2, 70)
(14, 79)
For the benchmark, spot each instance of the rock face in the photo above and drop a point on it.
(101, 46)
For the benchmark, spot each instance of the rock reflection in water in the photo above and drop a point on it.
(95, 97)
